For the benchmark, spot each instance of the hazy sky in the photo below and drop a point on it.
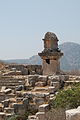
(23, 24)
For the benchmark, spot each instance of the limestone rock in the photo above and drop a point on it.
(32, 80)
(32, 117)
(19, 88)
(7, 91)
(41, 116)
(9, 110)
(42, 78)
(2, 116)
(73, 114)
(25, 102)
(40, 84)
(44, 108)
(39, 101)
(51, 89)
(6, 102)
(3, 88)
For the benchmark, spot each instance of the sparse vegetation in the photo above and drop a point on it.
(69, 98)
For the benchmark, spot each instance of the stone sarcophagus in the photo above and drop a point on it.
(51, 54)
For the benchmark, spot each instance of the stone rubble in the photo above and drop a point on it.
(30, 92)
(32, 87)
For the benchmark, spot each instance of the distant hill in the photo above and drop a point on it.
(34, 60)
(70, 60)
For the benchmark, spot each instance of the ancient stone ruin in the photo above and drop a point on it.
(51, 54)
(26, 88)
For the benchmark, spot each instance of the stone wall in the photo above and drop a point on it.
(27, 69)
(11, 81)
(4, 96)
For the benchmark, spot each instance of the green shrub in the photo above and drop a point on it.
(69, 98)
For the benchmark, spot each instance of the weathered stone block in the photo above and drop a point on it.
(56, 85)
(20, 87)
(40, 84)
(7, 91)
(6, 102)
(8, 115)
(39, 101)
(63, 77)
(42, 78)
(25, 102)
(32, 79)
(32, 117)
(41, 116)
(73, 114)
(9, 110)
(53, 78)
(44, 108)
(51, 89)
(3, 88)
(2, 116)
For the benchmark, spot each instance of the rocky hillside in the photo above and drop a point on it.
(70, 60)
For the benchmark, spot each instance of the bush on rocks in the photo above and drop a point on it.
(68, 99)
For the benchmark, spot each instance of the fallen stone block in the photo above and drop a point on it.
(9, 110)
(32, 79)
(63, 77)
(2, 116)
(51, 89)
(42, 78)
(53, 78)
(6, 102)
(19, 88)
(41, 116)
(39, 101)
(8, 91)
(3, 88)
(41, 89)
(44, 108)
(8, 115)
(25, 102)
(73, 114)
(41, 94)
(32, 117)
(55, 84)
(40, 84)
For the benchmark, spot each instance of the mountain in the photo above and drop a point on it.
(70, 60)
(34, 60)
